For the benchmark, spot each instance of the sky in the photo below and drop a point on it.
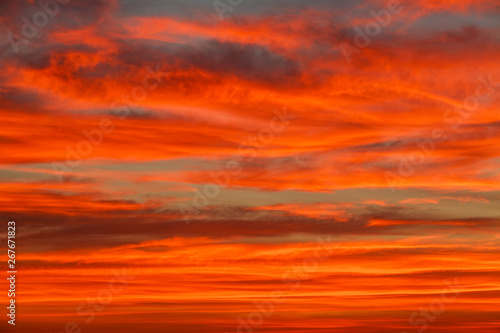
(252, 166)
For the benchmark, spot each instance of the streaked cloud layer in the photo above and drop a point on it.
(208, 157)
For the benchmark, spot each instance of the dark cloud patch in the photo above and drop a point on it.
(252, 62)
(203, 9)
(247, 61)
(10, 141)
(21, 100)
(446, 47)
(117, 227)
(39, 55)
(73, 14)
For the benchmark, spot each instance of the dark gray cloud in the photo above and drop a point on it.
(115, 227)
(205, 8)
(246, 61)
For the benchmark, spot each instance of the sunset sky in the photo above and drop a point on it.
(251, 165)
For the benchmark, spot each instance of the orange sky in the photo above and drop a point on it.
(252, 166)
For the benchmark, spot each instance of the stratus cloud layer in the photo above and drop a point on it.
(340, 165)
